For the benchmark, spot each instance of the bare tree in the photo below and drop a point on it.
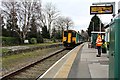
(21, 14)
(59, 23)
(51, 14)
(23, 11)
(27, 11)
(0, 29)
(9, 11)
(68, 22)
(59, 26)
(40, 16)
(64, 22)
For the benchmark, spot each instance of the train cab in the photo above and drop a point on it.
(69, 38)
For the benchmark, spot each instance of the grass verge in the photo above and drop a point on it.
(10, 63)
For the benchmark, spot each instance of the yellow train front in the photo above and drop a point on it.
(71, 38)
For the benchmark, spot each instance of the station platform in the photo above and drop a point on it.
(81, 62)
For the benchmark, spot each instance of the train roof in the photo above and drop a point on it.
(71, 30)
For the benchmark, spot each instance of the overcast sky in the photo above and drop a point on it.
(79, 11)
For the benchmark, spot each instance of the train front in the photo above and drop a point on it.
(69, 38)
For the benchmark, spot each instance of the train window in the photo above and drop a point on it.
(65, 33)
(74, 34)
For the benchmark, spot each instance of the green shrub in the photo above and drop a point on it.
(33, 40)
(53, 39)
(40, 39)
(9, 41)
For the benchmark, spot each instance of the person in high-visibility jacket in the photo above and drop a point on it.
(99, 44)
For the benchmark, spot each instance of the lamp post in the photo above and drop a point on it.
(93, 25)
(100, 25)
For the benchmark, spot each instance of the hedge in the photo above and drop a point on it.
(9, 41)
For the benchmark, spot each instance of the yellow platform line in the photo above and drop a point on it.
(65, 69)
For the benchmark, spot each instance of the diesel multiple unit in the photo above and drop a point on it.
(71, 38)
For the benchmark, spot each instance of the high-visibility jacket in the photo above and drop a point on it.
(99, 41)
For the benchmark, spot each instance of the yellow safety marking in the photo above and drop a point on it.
(69, 37)
(65, 69)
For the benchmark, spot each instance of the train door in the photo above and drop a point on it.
(65, 34)
(69, 37)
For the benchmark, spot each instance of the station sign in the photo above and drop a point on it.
(101, 9)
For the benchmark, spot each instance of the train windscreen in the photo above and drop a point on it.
(65, 34)
(74, 34)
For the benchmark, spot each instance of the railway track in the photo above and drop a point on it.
(37, 68)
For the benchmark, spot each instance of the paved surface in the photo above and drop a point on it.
(80, 63)
(62, 67)
(87, 65)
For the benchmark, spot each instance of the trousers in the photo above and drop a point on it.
(99, 50)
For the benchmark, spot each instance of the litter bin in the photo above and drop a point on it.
(104, 50)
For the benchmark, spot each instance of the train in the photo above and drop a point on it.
(71, 38)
